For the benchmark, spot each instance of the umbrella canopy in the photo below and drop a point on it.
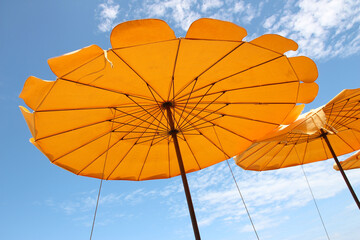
(352, 162)
(112, 104)
(156, 106)
(301, 142)
(323, 133)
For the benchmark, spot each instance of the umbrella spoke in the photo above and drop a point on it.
(232, 75)
(197, 104)
(139, 118)
(192, 152)
(207, 138)
(235, 89)
(201, 118)
(217, 112)
(147, 84)
(196, 78)
(136, 142)
(348, 116)
(84, 126)
(222, 127)
(147, 111)
(177, 126)
(272, 157)
(147, 154)
(93, 140)
(105, 89)
(172, 86)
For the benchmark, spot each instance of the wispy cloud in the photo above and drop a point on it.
(322, 28)
(269, 196)
(107, 12)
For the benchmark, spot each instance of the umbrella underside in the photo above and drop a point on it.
(105, 115)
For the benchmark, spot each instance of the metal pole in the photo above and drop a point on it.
(340, 168)
(173, 133)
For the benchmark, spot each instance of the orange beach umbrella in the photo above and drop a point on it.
(156, 106)
(352, 162)
(314, 136)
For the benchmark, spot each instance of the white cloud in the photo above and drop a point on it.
(209, 4)
(107, 13)
(322, 28)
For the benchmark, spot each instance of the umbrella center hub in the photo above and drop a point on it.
(167, 104)
(174, 131)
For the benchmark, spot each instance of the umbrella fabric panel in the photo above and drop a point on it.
(194, 58)
(59, 145)
(139, 32)
(352, 162)
(339, 119)
(65, 64)
(57, 122)
(110, 73)
(34, 91)
(154, 63)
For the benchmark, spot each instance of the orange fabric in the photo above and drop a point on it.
(351, 162)
(301, 142)
(103, 116)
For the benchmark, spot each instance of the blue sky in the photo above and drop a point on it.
(42, 201)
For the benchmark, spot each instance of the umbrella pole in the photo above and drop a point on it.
(173, 133)
(340, 168)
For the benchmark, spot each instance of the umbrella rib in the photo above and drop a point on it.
(346, 99)
(93, 59)
(105, 89)
(172, 85)
(338, 111)
(260, 148)
(147, 154)
(268, 152)
(96, 138)
(226, 129)
(188, 128)
(235, 116)
(147, 111)
(253, 103)
(346, 143)
(201, 118)
(347, 128)
(240, 88)
(192, 152)
(136, 142)
(207, 139)
(181, 123)
(147, 84)
(187, 100)
(161, 137)
(216, 62)
(305, 151)
(234, 74)
(287, 155)
(151, 115)
(91, 108)
(272, 158)
(346, 118)
(77, 128)
(350, 163)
